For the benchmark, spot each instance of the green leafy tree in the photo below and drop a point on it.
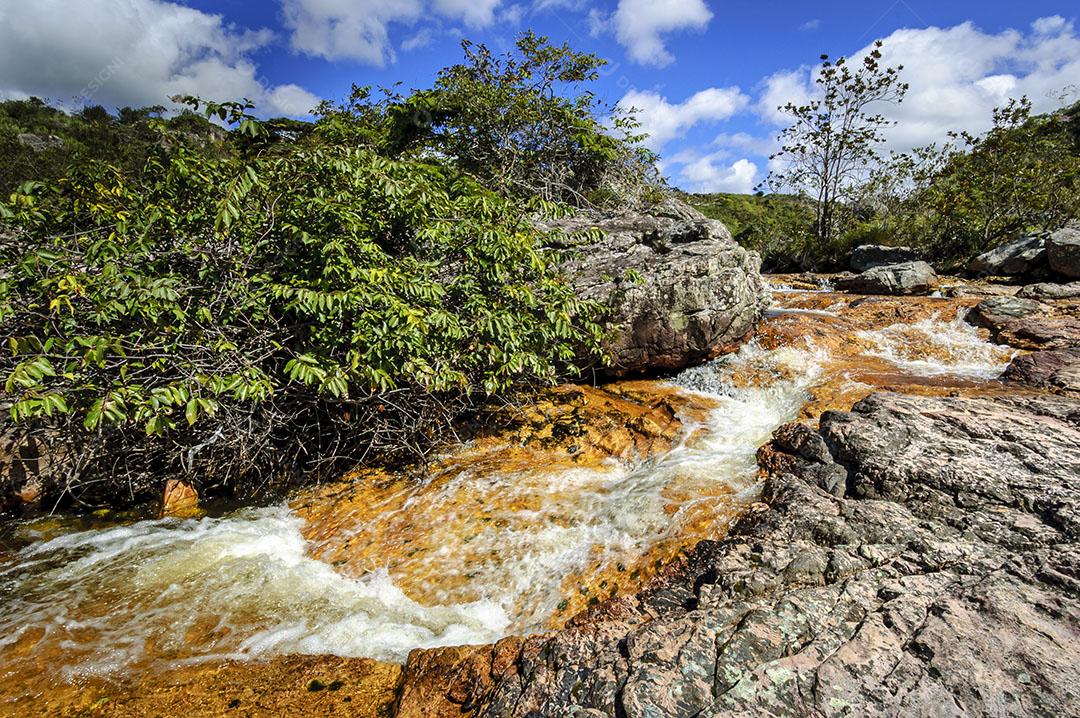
(522, 123)
(833, 139)
(969, 195)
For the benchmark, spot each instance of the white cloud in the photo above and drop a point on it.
(664, 120)
(474, 13)
(639, 25)
(418, 40)
(745, 142)
(360, 30)
(292, 100)
(133, 52)
(338, 29)
(957, 76)
(810, 25)
(709, 173)
(598, 22)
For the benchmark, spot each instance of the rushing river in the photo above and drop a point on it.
(500, 548)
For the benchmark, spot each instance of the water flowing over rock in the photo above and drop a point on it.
(944, 583)
(896, 279)
(868, 256)
(1022, 257)
(1063, 251)
(682, 290)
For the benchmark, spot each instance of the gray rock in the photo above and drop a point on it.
(945, 584)
(1063, 251)
(1025, 323)
(1056, 369)
(868, 256)
(696, 296)
(896, 279)
(1022, 257)
(1049, 290)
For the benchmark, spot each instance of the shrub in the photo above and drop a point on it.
(239, 321)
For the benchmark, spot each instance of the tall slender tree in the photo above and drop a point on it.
(833, 138)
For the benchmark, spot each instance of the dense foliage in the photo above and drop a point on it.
(979, 191)
(950, 202)
(279, 307)
(521, 123)
(40, 142)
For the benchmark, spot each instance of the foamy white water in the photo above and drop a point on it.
(245, 580)
(958, 349)
(245, 585)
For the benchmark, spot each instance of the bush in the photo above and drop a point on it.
(238, 321)
(967, 197)
(778, 227)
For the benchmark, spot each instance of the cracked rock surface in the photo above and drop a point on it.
(681, 290)
(937, 573)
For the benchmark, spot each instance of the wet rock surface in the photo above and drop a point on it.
(944, 582)
(681, 289)
(907, 278)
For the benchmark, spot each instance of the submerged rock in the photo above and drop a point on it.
(896, 279)
(944, 584)
(179, 500)
(1022, 257)
(1063, 251)
(868, 256)
(681, 289)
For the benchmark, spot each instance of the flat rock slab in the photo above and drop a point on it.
(944, 581)
(1026, 323)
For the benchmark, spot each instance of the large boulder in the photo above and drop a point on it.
(1050, 290)
(896, 279)
(1026, 323)
(1022, 257)
(868, 256)
(1063, 251)
(681, 290)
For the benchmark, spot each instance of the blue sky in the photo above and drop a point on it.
(706, 75)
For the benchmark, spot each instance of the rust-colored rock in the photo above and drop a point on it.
(179, 500)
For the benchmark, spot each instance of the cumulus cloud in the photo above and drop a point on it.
(664, 120)
(640, 24)
(352, 30)
(957, 76)
(133, 52)
(714, 172)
